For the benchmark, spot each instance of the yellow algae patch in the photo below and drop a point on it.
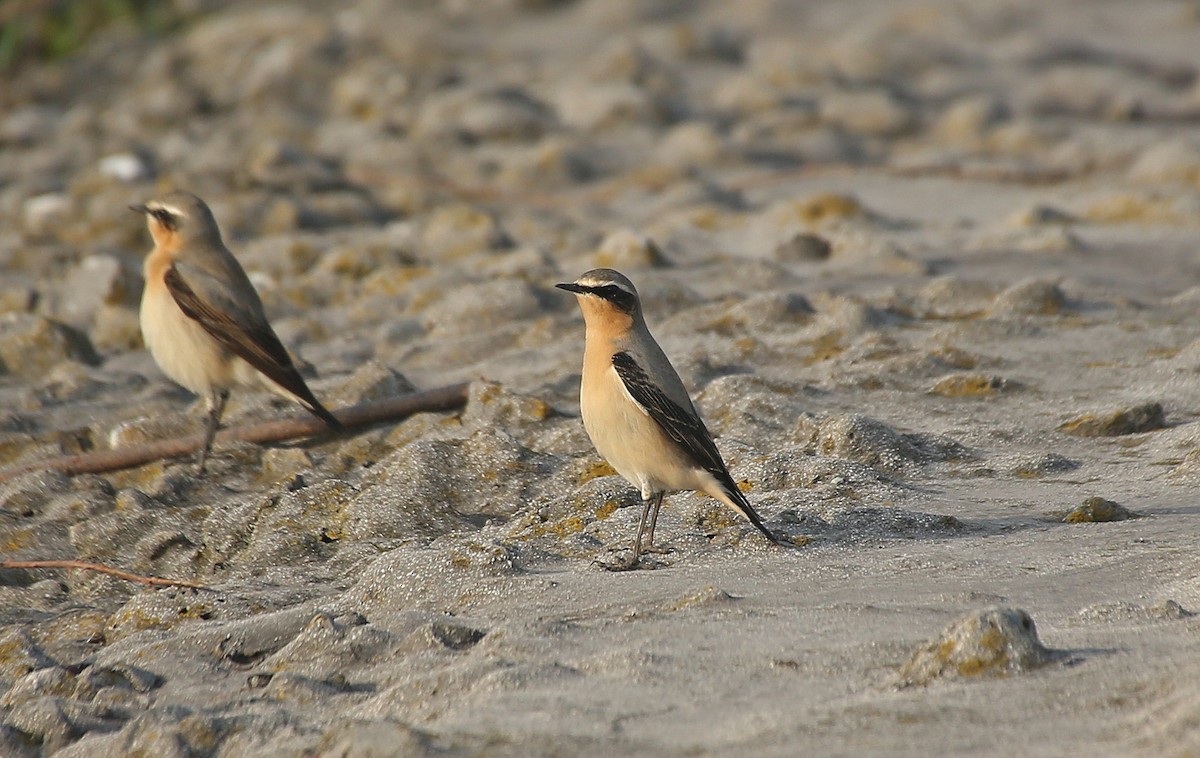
(956, 358)
(1162, 352)
(717, 517)
(970, 385)
(712, 219)
(705, 596)
(394, 280)
(1123, 209)
(1140, 418)
(825, 347)
(798, 540)
(1096, 510)
(995, 642)
(827, 206)
(16, 539)
(606, 510)
(595, 471)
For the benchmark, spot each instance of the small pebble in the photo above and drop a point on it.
(1135, 419)
(124, 167)
(1095, 510)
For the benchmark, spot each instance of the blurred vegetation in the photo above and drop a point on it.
(50, 29)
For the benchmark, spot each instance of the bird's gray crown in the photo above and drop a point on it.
(603, 277)
(180, 211)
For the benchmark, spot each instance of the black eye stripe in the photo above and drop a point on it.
(165, 217)
(618, 296)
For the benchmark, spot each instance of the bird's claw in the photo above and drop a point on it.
(624, 559)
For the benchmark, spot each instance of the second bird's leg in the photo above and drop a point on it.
(216, 406)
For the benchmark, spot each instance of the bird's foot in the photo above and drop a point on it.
(624, 559)
(658, 550)
(617, 559)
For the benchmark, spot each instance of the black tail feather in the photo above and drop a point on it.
(731, 489)
(313, 406)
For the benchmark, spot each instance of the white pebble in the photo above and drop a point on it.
(40, 210)
(124, 167)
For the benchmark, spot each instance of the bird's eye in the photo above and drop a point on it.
(619, 297)
(166, 218)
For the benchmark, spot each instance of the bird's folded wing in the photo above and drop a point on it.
(682, 425)
(247, 335)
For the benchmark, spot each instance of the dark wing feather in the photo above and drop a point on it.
(254, 343)
(686, 429)
(680, 424)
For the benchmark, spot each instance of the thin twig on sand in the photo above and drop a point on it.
(356, 416)
(99, 568)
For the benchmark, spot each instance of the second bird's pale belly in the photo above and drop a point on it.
(182, 349)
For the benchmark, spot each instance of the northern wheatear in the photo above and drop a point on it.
(636, 409)
(201, 318)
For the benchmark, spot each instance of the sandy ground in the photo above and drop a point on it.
(929, 268)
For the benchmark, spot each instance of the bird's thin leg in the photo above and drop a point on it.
(647, 502)
(216, 406)
(658, 498)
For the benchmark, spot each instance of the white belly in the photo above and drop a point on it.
(631, 440)
(180, 346)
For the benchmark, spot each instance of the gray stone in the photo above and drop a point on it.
(454, 231)
(30, 346)
(125, 167)
(461, 310)
(866, 440)
(98, 281)
(803, 246)
(375, 739)
(20, 655)
(605, 107)
(874, 113)
(491, 405)
(1034, 297)
(969, 119)
(1096, 509)
(1136, 419)
(504, 114)
(43, 213)
(627, 249)
(1044, 465)
(995, 642)
(950, 297)
(692, 143)
(27, 124)
(370, 382)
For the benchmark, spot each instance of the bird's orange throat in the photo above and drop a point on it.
(602, 319)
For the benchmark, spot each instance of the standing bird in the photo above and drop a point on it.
(637, 411)
(202, 319)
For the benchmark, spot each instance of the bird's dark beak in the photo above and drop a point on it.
(139, 209)
(572, 287)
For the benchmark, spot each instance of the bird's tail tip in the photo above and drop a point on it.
(774, 538)
(325, 415)
(737, 500)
